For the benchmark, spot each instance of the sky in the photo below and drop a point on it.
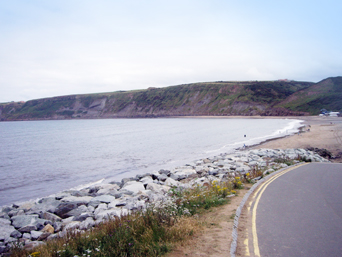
(53, 48)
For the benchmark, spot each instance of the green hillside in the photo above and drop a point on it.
(326, 94)
(210, 98)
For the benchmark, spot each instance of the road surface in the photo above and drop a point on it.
(297, 212)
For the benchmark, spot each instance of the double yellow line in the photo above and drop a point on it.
(261, 189)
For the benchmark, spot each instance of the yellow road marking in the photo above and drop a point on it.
(247, 247)
(262, 189)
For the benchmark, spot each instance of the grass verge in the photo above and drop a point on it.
(152, 232)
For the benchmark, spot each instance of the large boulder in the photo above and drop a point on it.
(63, 208)
(134, 186)
(104, 198)
(171, 182)
(108, 189)
(76, 212)
(27, 220)
(27, 229)
(48, 204)
(87, 223)
(5, 232)
(4, 222)
(157, 188)
(78, 199)
(50, 216)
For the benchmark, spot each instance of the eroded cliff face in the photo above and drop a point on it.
(216, 98)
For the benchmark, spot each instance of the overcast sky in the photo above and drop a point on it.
(62, 47)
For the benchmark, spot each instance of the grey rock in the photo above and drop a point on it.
(158, 188)
(118, 195)
(13, 212)
(44, 236)
(72, 225)
(104, 198)
(213, 172)
(253, 163)
(133, 186)
(83, 216)
(5, 232)
(146, 180)
(63, 208)
(107, 214)
(4, 215)
(93, 190)
(25, 220)
(162, 177)
(87, 223)
(165, 172)
(27, 236)
(78, 211)
(108, 189)
(94, 203)
(100, 208)
(126, 192)
(4, 222)
(77, 193)
(27, 229)
(52, 237)
(48, 204)
(35, 234)
(58, 226)
(16, 234)
(50, 216)
(82, 200)
(171, 182)
(125, 180)
(6, 209)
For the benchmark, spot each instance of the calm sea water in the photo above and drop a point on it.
(39, 158)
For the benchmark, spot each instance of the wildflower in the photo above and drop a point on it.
(35, 254)
(247, 174)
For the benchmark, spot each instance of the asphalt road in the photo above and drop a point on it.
(299, 213)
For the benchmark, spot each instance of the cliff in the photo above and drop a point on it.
(268, 98)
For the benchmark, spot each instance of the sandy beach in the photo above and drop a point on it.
(319, 132)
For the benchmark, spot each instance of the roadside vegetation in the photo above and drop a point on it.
(153, 231)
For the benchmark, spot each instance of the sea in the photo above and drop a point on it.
(41, 158)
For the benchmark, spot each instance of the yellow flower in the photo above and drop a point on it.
(237, 178)
(247, 174)
(233, 192)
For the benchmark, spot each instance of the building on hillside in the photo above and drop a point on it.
(334, 114)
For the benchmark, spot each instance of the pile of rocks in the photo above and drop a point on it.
(33, 222)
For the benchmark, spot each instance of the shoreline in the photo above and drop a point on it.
(79, 210)
(233, 147)
(262, 144)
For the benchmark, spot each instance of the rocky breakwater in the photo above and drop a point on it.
(32, 223)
